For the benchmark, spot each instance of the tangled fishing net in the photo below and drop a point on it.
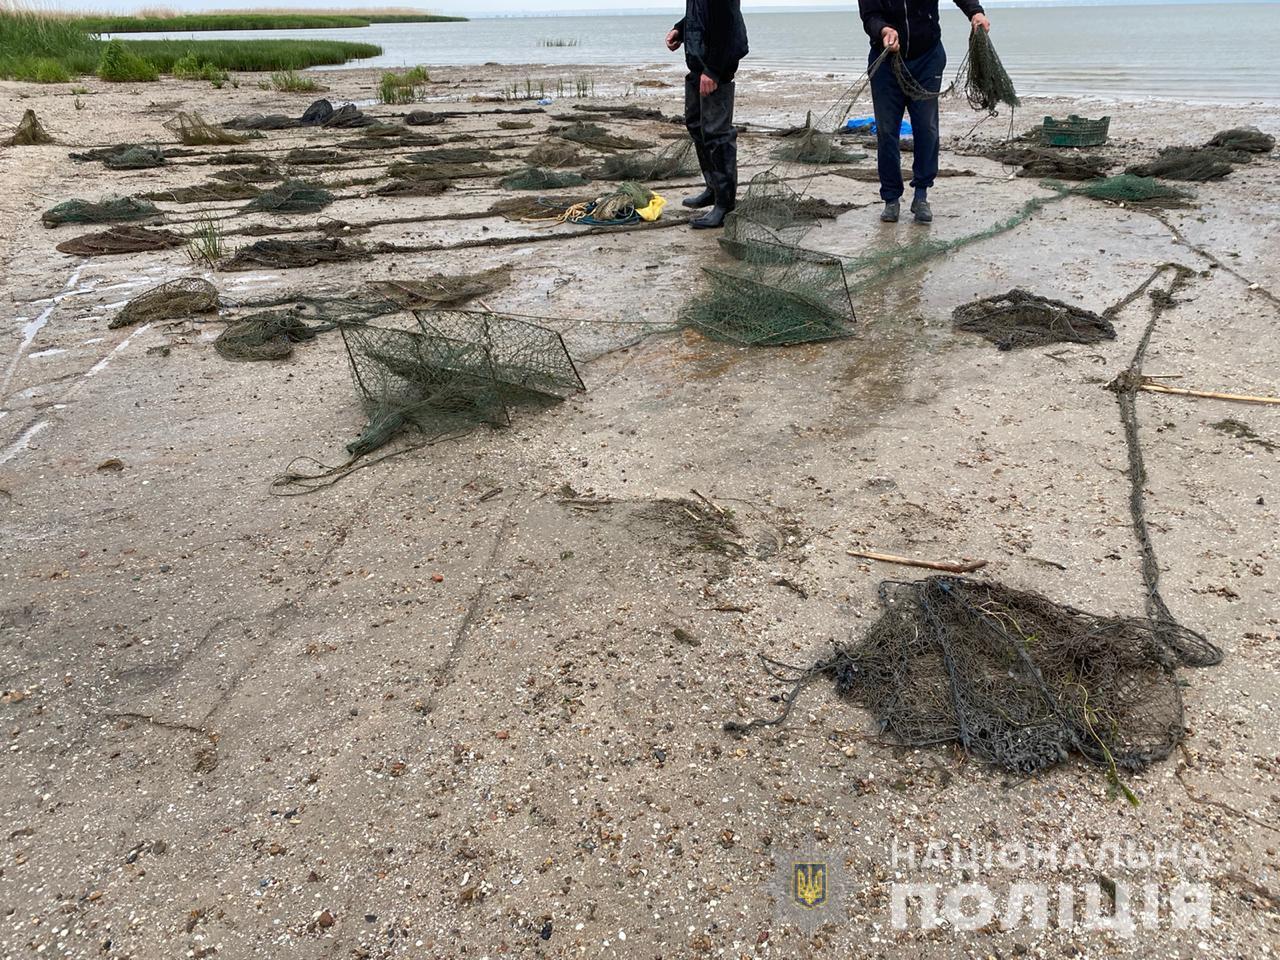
(630, 111)
(1195, 164)
(457, 370)
(292, 254)
(169, 301)
(292, 196)
(30, 132)
(810, 145)
(317, 157)
(1243, 139)
(443, 290)
(1013, 678)
(987, 84)
(264, 173)
(1128, 188)
(674, 160)
(347, 116)
(593, 135)
(261, 121)
(194, 131)
(120, 240)
(454, 155)
(622, 205)
(111, 210)
(1058, 164)
(555, 153)
(125, 156)
(536, 178)
(269, 335)
(1020, 319)
(400, 170)
(205, 193)
(412, 188)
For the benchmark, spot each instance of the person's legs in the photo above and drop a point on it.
(889, 103)
(693, 123)
(721, 139)
(927, 70)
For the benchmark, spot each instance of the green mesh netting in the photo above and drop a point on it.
(111, 210)
(677, 159)
(454, 155)
(536, 178)
(555, 153)
(400, 170)
(317, 157)
(205, 193)
(293, 254)
(1128, 188)
(30, 132)
(1195, 164)
(1057, 164)
(292, 196)
(593, 135)
(265, 173)
(1243, 139)
(1020, 319)
(269, 335)
(169, 301)
(443, 290)
(454, 371)
(808, 144)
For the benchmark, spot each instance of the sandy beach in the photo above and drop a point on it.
(469, 701)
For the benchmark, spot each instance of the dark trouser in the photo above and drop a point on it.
(715, 138)
(890, 101)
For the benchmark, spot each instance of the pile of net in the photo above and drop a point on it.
(292, 196)
(1015, 679)
(593, 135)
(1128, 188)
(29, 133)
(536, 178)
(674, 160)
(1020, 319)
(454, 371)
(111, 210)
(218, 190)
(1194, 164)
(317, 157)
(262, 173)
(555, 153)
(314, 115)
(169, 301)
(810, 145)
(1244, 140)
(125, 156)
(292, 254)
(454, 155)
(1058, 164)
(630, 111)
(269, 335)
(623, 205)
(443, 290)
(195, 131)
(412, 188)
(120, 240)
(401, 170)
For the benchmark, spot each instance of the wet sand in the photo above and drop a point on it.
(452, 707)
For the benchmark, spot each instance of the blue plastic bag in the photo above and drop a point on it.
(868, 124)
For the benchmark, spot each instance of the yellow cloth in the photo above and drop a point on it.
(653, 210)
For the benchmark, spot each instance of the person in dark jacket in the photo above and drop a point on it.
(715, 40)
(909, 29)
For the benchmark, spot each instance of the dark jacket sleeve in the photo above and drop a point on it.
(725, 38)
(873, 20)
(970, 7)
(679, 27)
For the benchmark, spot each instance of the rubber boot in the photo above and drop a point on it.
(723, 181)
(700, 200)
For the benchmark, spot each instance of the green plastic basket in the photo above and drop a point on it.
(1075, 132)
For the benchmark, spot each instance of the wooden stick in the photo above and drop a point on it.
(965, 566)
(1207, 394)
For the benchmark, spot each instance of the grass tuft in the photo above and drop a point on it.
(403, 87)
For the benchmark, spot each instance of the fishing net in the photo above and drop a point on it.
(292, 254)
(457, 370)
(205, 193)
(630, 111)
(241, 158)
(593, 135)
(441, 290)
(169, 301)
(401, 140)
(126, 156)
(111, 210)
(261, 121)
(347, 116)
(454, 155)
(1243, 139)
(536, 178)
(194, 131)
(413, 188)
(292, 196)
(675, 160)
(1013, 678)
(555, 153)
(987, 84)
(533, 208)
(1060, 165)
(401, 170)
(426, 118)
(317, 157)
(872, 175)
(269, 335)
(810, 145)
(120, 240)
(1195, 164)
(1020, 319)
(618, 207)
(266, 173)
(515, 124)
(30, 132)
(1128, 188)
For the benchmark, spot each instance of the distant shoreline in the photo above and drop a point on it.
(248, 20)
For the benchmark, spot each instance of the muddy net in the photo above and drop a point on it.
(675, 160)
(120, 240)
(125, 156)
(811, 145)
(1013, 678)
(1020, 319)
(214, 192)
(111, 210)
(555, 153)
(456, 370)
(195, 131)
(292, 196)
(269, 335)
(1243, 139)
(538, 178)
(1128, 188)
(443, 290)
(1194, 164)
(30, 132)
(1055, 164)
(293, 254)
(169, 301)
(412, 188)
(593, 135)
